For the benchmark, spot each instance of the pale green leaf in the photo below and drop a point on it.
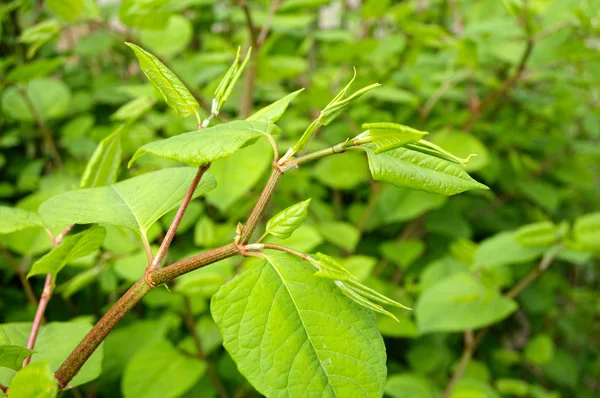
(542, 233)
(204, 146)
(459, 303)
(71, 248)
(410, 385)
(540, 349)
(412, 169)
(103, 166)
(387, 136)
(504, 249)
(34, 381)
(176, 95)
(56, 340)
(274, 111)
(133, 109)
(464, 145)
(39, 34)
(149, 14)
(304, 239)
(586, 231)
(68, 10)
(293, 334)
(51, 99)
(284, 223)
(135, 203)
(11, 355)
(14, 219)
(172, 39)
(160, 371)
(342, 234)
(345, 171)
(402, 253)
(34, 69)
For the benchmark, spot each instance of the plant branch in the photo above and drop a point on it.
(471, 343)
(21, 274)
(44, 299)
(295, 162)
(260, 206)
(464, 362)
(261, 246)
(164, 246)
(264, 32)
(191, 325)
(46, 133)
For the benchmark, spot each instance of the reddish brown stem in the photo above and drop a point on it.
(39, 315)
(3, 387)
(164, 247)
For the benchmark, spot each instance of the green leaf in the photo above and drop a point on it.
(11, 355)
(170, 40)
(14, 219)
(38, 35)
(133, 109)
(231, 77)
(503, 249)
(207, 145)
(176, 95)
(50, 98)
(459, 303)
(288, 220)
(542, 233)
(149, 14)
(540, 349)
(304, 239)
(403, 253)
(34, 69)
(293, 334)
(273, 112)
(68, 10)
(71, 248)
(160, 371)
(135, 203)
(342, 172)
(342, 234)
(56, 340)
(512, 387)
(34, 381)
(103, 166)
(409, 385)
(412, 169)
(464, 145)
(586, 231)
(387, 136)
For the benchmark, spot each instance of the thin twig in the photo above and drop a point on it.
(164, 246)
(464, 362)
(264, 32)
(21, 274)
(191, 325)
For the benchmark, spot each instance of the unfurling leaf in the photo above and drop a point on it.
(329, 268)
(232, 76)
(207, 145)
(14, 219)
(412, 169)
(273, 112)
(175, 93)
(278, 312)
(542, 233)
(71, 248)
(387, 136)
(103, 166)
(284, 223)
(430, 148)
(135, 203)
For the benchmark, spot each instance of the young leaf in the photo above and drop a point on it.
(11, 355)
(387, 136)
(430, 148)
(14, 219)
(103, 166)
(236, 76)
(278, 312)
(459, 303)
(288, 220)
(542, 233)
(135, 203)
(35, 380)
(204, 146)
(176, 95)
(407, 168)
(273, 112)
(71, 248)
(586, 232)
(133, 109)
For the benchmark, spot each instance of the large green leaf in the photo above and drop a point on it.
(504, 249)
(103, 166)
(284, 223)
(407, 168)
(160, 371)
(176, 94)
(56, 340)
(294, 334)
(11, 355)
(135, 203)
(50, 98)
(14, 219)
(274, 111)
(204, 146)
(71, 248)
(34, 381)
(459, 303)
